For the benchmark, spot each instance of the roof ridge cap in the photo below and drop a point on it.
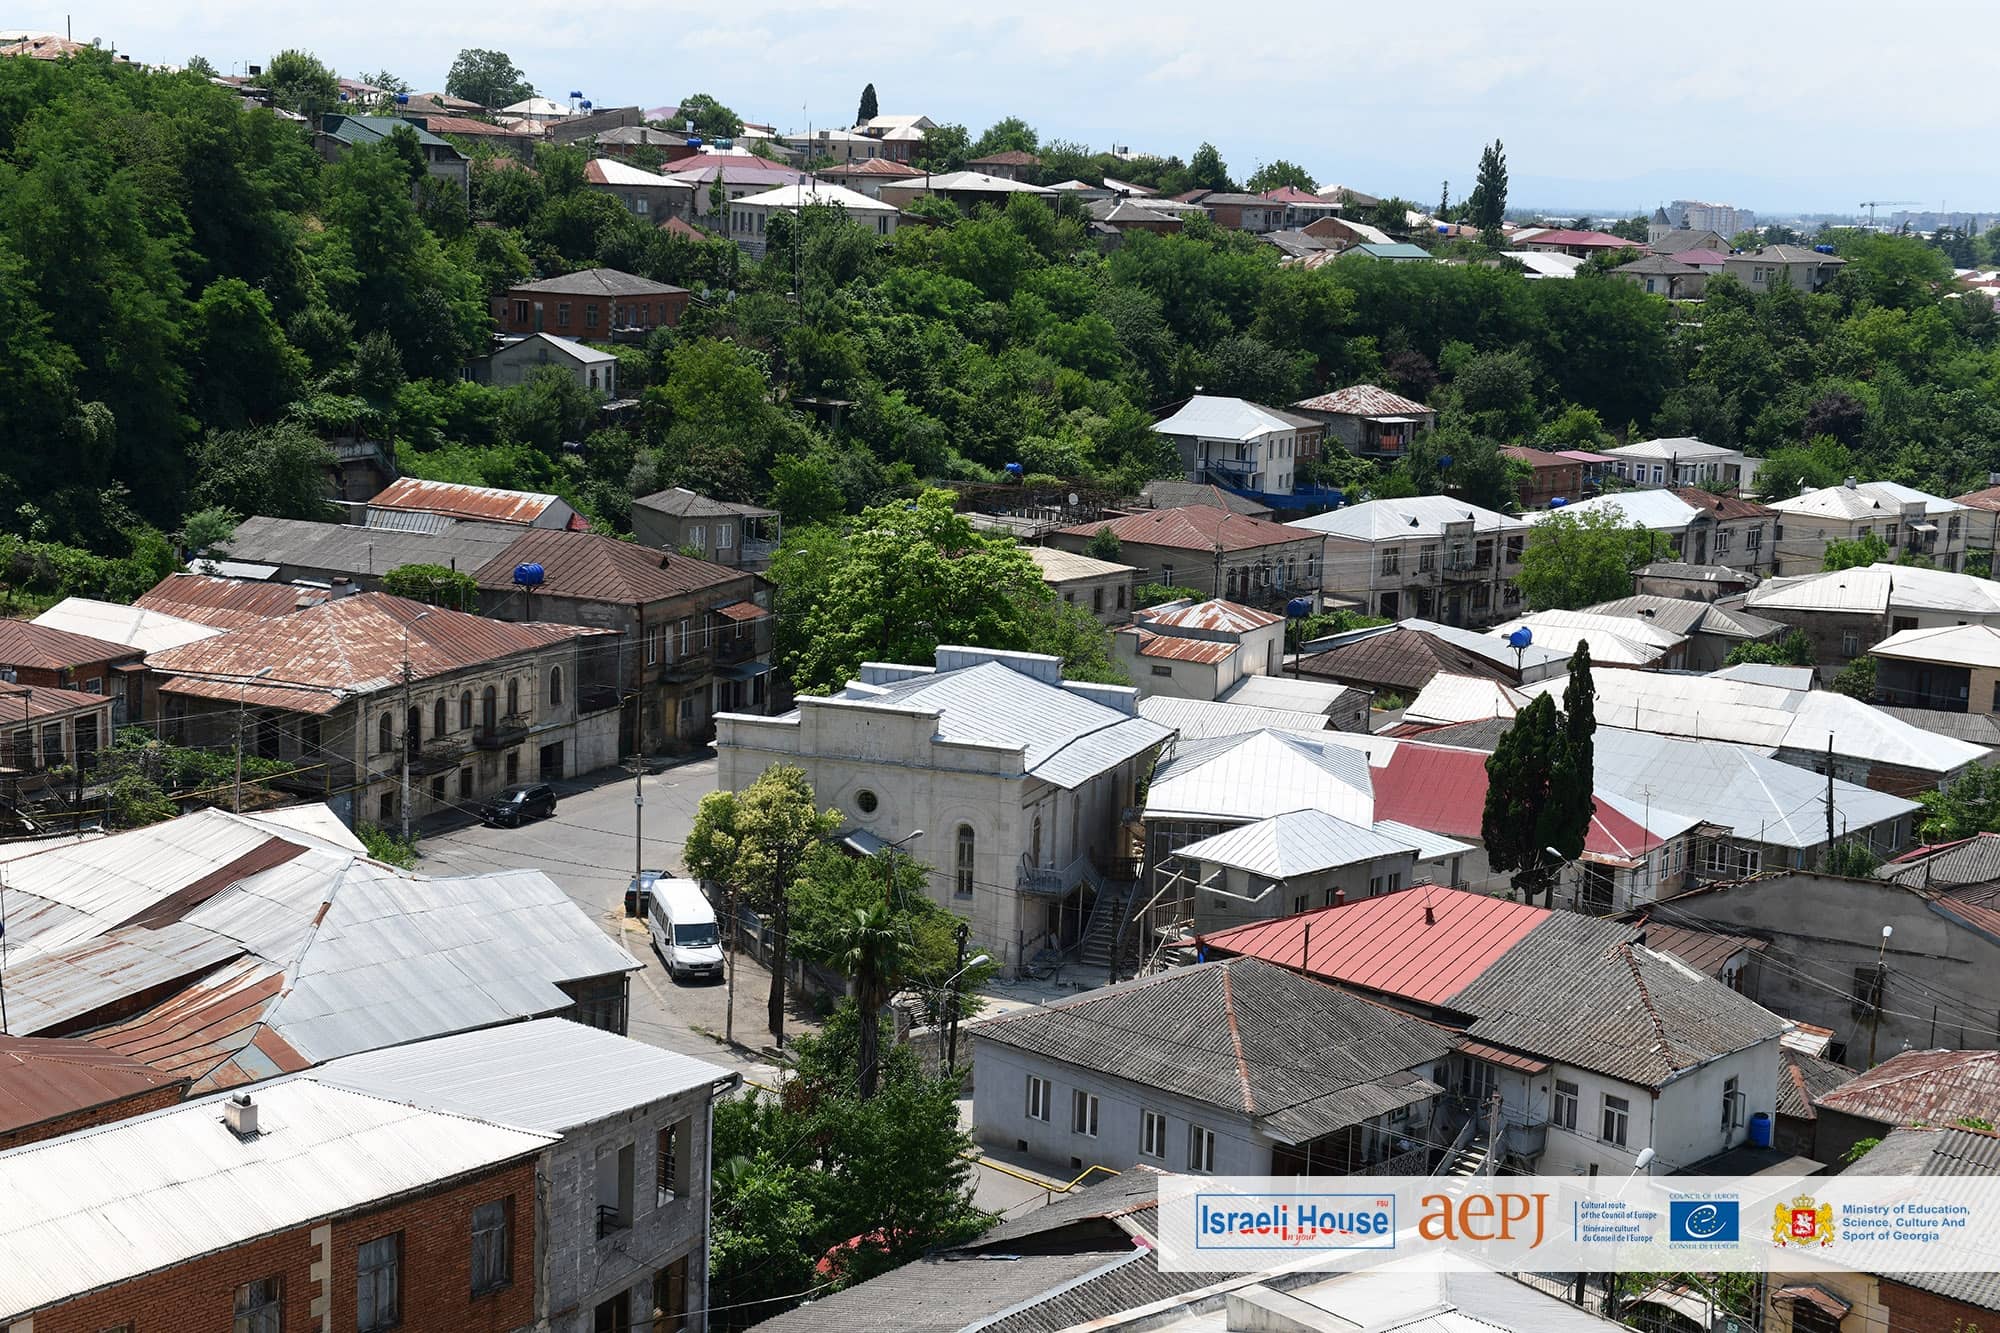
(1236, 1040)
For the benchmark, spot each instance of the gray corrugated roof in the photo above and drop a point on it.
(1134, 1282)
(1687, 615)
(681, 502)
(1176, 494)
(343, 548)
(1200, 719)
(549, 1074)
(1976, 860)
(1938, 1152)
(942, 1294)
(1574, 990)
(1301, 1057)
(600, 282)
(1974, 728)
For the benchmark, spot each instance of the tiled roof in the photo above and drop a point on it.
(26, 644)
(455, 500)
(1923, 1087)
(1364, 400)
(871, 166)
(42, 1079)
(354, 645)
(225, 603)
(1300, 1057)
(594, 568)
(599, 282)
(1194, 528)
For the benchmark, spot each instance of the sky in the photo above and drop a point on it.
(1810, 111)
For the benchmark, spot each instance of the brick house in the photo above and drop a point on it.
(592, 304)
(32, 654)
(51, 1086)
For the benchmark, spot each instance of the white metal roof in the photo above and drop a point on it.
(1705, 708)
(1060, 566)
(1765, 673)
(815, 192)
(1200, 719)
(1659, 511)
(115, 622)
(1448, 698)
(1680, 448)
(1213, 418)
(1742, 787)
(1292, 694)
(1415, 516)
(1955, 645)
(615, 172)
(1866, 500)
(1876, 588)
(1261, 774)
(550, 1075)
(1614, 640)
(1298, 842)
(87, 1210)
(969, 181)
(1542, 264)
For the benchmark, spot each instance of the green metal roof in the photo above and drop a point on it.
(374, 129)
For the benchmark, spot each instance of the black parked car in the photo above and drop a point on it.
(530, 800)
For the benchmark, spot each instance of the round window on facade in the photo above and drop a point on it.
(865, 801)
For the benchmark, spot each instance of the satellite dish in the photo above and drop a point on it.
(1072, 499)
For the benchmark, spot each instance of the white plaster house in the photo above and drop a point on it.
(1019, 779)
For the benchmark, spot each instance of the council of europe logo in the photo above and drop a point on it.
(1705, 1221)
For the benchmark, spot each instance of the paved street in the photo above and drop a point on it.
(588, 849)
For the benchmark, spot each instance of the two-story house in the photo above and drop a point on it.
(1701, 527)
(1683, 461)
(1312, 1080)
(1103, 587)
(1237, 443)
(750, 216)
(694, 638)
(32, 654)
(1909, 521)
(1019, 778)
(592, 303)
(724, 532)
(1215, 552)
(339, 134)
(647, 196)
(1428, 556)
(1370, 421)
(388, 705)
(1577, 1047)
(1199, 650)
(1769, 267)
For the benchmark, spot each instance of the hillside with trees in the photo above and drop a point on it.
(195, 303)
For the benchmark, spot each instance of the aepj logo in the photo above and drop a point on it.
(1707, 1221)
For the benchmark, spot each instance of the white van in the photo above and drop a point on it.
(683, 928)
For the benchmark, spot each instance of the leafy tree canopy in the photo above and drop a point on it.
(1577, 559)
(1278, 173)
(489, 78)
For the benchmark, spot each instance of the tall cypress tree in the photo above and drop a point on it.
(1487, 207)
(868, 109)
(1540, 787)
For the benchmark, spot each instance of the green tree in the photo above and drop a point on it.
(1208, 171)
(1795, 649)
(1279, 173)
(489, 78)
(248, 370)
(1580, 558)
(386, 847)
(868, 109)
(1105, 545)
(1009, 134)
(1534, 821)
(871, 948)
(435, 585)
(758, 839)
(277, 471)
(944, 148)
(1970, 806)
(805, 489)
(1153, 594)
(1857, 680)
(1487, 208)
(298, 82)
(712, 120)
(207, 531)
(1869, 549)
(1796, 469)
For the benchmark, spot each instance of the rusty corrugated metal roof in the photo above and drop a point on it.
(43, 1078)
(486, 504)
(1923, 1087)
(1180, 650)
(26, 644)
(1215, 614)
(1364, 400)
(226, 603)
(592, 568)
(350, 646)
(1194, 528)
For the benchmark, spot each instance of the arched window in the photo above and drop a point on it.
(465, 711)
(962, 861)
(440, 719)
(555, 686)
(1035, 842)
(385, 733)
(513, 697)
(489, 710)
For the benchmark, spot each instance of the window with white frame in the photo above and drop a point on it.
(1563, 1112)
(1153, 1135)
(725, 536)
(1083, 1113)
(1616, 1120)
(1850, 644)
(1038, 1098)
(1392, 560)
(1732, 1104)
(1201, 1148)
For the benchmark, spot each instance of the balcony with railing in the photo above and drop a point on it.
(509, 729)
(440, 754)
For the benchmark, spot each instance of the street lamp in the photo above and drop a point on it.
(949, 1049)
(242, 692)
(1875, 1007)
(890, 850)
(408, 739)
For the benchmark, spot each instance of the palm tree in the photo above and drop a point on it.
(872, 947)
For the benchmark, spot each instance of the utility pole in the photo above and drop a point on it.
(729, 966)
(951, 1001)
(638, 763)
(1829, 800)
(409, 733)
(1875, 1005)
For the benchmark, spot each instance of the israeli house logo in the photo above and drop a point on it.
(1295, 1221)
(1704, 1221)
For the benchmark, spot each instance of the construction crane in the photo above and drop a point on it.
(1870, 204)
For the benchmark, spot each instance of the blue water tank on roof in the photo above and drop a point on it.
(1299, 606)
(1016, 471)
(528, 576)
(1521, 637)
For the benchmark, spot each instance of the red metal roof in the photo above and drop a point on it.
(1493, 1055)
(1722, 506)
(1583, 239)
(1364, 400)
(594, 568)
(485, 504)
(1541, 458)
(1195, 528)
(225, 603)
(742, 611)
(1442, 790)
(43, 1078)
(26, 644)
(1179, 649)
(1214, 614)
(1425, 943)
(1292, 194)
(1923, 1087)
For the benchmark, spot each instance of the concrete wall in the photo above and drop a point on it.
(582, 1269)
(1822, 928)
(1213, 911)
(1108, 596)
